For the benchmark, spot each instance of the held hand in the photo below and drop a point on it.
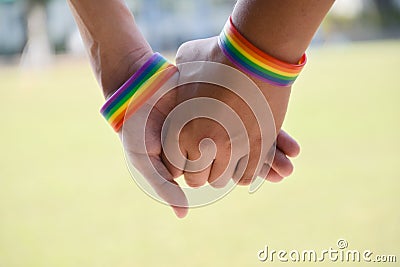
(281, 166)
(163, 184)
(145, 153)
(199, 129)
(209, 50)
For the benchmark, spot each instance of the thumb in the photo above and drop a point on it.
(183, 53)
(196, 50)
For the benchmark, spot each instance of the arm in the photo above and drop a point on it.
(284, 28)
(117, 50)
(114, 43)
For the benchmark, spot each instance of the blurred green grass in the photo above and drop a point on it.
(66, 197)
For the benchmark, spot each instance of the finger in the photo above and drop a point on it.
(173, 157)
(287, 144)
(273, 176)
(222, 169)
(240, 168)
(252, 168)
(162, 182)
(264, 171)
(281, 164)
(270, 174)
(168, 189)
(196, 179)
(242, 175)
(174, 171)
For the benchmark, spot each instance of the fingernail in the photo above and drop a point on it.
(180, 212)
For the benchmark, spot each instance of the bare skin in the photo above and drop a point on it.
(114, 43)
(117, 49)
(283, 29)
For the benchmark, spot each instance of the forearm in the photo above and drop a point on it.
(114, 43)
(283, 28)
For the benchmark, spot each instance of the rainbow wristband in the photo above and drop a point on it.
(255, 62)
(137, 90)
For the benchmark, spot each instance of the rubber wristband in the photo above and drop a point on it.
(255, 62)
(137, 90)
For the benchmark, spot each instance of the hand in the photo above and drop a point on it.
(199, 129)
(144, 153)
(281, 166)
(193, 133)
(286, 147)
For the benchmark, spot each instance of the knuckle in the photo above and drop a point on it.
(194, 182)
(245, 181)
(185, 52)
(217, 184)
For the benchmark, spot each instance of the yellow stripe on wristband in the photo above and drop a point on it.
(137, 90)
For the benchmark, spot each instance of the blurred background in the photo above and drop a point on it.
(67, 199)
(47, 26)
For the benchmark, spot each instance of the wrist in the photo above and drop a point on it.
(219, 57)
(136, 90)
(276, 96)
(129, 65)
(255, 62)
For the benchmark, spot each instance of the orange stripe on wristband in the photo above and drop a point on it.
(255, 62)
